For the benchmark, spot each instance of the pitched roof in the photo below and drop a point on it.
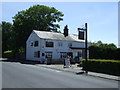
(57, 36)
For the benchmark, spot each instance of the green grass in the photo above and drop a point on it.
(103, 60)
(9, 51)
(7, 54)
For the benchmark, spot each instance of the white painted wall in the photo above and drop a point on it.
(31, 49)
(56, 49)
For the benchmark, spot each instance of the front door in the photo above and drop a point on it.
(48, 55)
(70, 54)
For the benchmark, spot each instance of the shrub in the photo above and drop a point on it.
(107, 67)
(104, 51)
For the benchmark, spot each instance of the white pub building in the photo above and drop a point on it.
(42, 44)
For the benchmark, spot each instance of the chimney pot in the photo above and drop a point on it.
(66, 31)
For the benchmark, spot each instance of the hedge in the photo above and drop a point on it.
(97, 52)
(107, 67)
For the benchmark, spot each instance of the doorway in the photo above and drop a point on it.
(70, 54)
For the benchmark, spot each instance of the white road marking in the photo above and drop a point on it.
(52, 69)
(58, 71)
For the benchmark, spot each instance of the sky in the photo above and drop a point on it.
(102, 17)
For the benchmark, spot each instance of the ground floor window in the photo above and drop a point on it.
(70, 54)
(79, 54)
(48, 54)
(43, 54)
(63, 55)
(37, 54)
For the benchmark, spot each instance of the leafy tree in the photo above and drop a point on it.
(100, 50)
(99, 42)
(6, 36)
(112, 46)
(37, 17)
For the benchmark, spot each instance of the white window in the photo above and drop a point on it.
(37, 54)
(79, 54)
(48, 54)
(35, 43)
(49, 44)
(31, 44)
(69, 44)
(60, 44)
(63, 55)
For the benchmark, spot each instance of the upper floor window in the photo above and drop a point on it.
(35, 43)
(49, 44)
(60, 44)
(69, 44)
(31, 44)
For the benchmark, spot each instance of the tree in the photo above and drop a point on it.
(112, 46)
(100, 50)
(37, 17)
(6, 36)
(99, 42)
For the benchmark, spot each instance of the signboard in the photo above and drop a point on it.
(81, 35)
(67, 62)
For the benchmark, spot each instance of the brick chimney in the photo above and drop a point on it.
(66, 31)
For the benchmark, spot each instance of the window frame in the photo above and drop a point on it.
(48, 55)
(37, 54)
(60, 44)
(69, 44)
(31, 44)
(49, 42)
(63, 55)
(36, 43)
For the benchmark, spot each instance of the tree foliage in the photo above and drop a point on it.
(37, 17)
(100, 50)
(6, 36)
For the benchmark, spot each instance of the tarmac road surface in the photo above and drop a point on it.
(17, 75)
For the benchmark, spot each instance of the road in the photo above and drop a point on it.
(17, 75)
